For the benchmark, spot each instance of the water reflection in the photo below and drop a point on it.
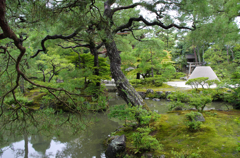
(26, 149)
(88, 144)
(160, 107)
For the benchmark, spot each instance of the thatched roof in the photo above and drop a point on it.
(203, 71)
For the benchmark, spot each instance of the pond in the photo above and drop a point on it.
(87, 144)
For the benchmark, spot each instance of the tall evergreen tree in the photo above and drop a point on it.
(76, 20)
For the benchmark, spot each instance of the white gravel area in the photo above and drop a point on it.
(182, 84)
(174, 84)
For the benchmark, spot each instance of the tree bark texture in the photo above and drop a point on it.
(125, 89)
(138, 76)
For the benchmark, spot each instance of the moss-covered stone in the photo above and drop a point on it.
(35, 95)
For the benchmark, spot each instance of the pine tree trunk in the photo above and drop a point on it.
(94, 52)
(25, 145)
(125, 89)
(138, 76)
(22, 88)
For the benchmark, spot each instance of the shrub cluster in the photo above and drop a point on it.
(138, 117)
(194, 99)
(191, 122)
(156, 81)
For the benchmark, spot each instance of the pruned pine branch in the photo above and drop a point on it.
(4, 50)
(147, 23)
(70, 108)
(8, 33)
(125, 7)
(54, 37)
(100, 45)
(81, 45)
(134, 36)
(76, 46)
(23, 20)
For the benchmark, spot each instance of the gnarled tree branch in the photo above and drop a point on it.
(54, 37)
(125, 7)
(155, 23)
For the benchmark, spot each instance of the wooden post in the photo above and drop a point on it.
(190, 66)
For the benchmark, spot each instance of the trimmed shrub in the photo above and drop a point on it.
(191, 123)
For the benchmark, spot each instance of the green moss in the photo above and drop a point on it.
(35, 95)
(217, 137)
(164, 87)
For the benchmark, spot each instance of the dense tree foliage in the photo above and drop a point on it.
(36, 28)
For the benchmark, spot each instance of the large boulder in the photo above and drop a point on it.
(156, 99)
(149, 91)
(142, 94)
(116, 147)
(167, 93)
(159, 93)
(199, 117)
(183, 78)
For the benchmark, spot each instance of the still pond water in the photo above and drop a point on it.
(88, 144)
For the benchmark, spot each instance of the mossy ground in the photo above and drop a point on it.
(164, 87)
(218, 136)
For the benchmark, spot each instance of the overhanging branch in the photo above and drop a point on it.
(54, 37)
(126, 7)
(155, 23)
(76, 46)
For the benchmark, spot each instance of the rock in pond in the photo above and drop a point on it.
(159, 93)
(167, 92)
(149, 91)
(146, 98)
(156, 99)
(116, 147)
